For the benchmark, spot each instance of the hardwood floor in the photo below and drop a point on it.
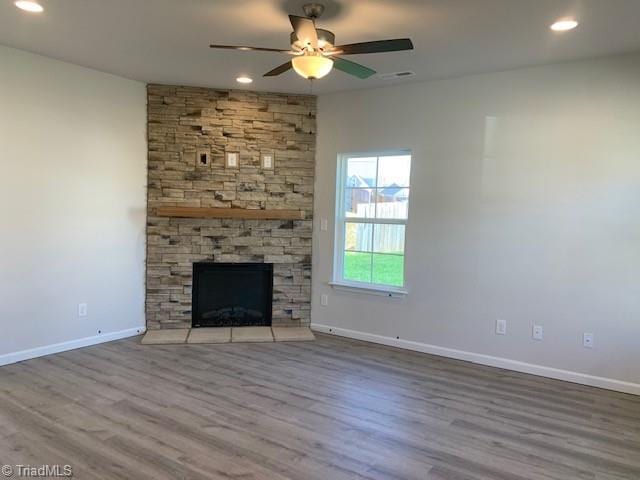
(332, 409)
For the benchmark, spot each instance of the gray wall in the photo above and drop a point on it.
(72, 203)
(525, 206)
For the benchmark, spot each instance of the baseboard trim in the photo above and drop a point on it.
(22, 355)
(488, 360)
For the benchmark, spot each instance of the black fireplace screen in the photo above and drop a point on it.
(232, 294)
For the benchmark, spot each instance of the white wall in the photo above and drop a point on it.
(72, 205)
(525, 206)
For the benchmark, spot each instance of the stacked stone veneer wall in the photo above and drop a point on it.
(183, 121)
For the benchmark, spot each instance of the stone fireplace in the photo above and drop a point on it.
(191, 132)
(232, 294)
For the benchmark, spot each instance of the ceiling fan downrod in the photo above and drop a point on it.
(313, 10)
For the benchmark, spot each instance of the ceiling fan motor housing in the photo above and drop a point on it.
(326, 40)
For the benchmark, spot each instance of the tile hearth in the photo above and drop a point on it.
(227, 335)
(210, 335)
(252, 334)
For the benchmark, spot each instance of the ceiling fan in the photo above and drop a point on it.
(315, 53)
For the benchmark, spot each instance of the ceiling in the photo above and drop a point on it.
(166, 41)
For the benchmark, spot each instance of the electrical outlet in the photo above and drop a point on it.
(587, 340)
(324, 224)
(324, 299)
(82, 309)
(537, 332)
(501, 327)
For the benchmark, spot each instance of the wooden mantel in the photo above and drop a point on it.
(240, 213)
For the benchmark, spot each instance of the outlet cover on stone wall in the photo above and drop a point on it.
(267, 161)
(231, 159)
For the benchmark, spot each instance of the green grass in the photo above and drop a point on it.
(387, 269)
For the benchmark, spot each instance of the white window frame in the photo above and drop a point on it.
(340, 220)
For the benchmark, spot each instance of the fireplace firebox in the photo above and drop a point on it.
(232, 294)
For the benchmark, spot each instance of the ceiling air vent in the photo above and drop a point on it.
(396, 75)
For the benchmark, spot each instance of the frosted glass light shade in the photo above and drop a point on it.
(312, 66)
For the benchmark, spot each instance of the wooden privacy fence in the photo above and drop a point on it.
(384, 238)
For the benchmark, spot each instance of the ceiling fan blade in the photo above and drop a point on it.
(279, 70)
(305, 30)
(377, 46)
(249, 49)
(352, 68)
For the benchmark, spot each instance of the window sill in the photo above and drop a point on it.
(370, 290)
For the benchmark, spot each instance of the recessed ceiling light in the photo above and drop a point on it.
(564, 25)
(29, 6)
(244, 79)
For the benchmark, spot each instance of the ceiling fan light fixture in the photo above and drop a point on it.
(244, 79)
(29, 6)
(314, 52)
(312, 66)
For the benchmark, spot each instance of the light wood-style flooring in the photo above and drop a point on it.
(333, 409)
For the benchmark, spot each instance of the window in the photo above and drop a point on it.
(371, 218)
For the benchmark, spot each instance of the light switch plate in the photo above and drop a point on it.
(324, 224)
